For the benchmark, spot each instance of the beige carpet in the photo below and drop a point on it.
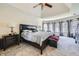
(66, 47)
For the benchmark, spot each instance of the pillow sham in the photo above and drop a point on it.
(27, 31)
(34, 30)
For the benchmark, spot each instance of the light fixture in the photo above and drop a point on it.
(11, 29)
(12, 26)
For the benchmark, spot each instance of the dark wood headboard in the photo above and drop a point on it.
(27, 27)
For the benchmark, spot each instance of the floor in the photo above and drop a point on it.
(66, 47)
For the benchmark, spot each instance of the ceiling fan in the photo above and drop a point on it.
(42, 5)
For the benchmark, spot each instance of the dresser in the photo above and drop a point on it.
(0, 43)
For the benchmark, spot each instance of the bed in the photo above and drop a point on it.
(36, 42)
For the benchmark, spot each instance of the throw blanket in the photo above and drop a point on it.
(37, 37)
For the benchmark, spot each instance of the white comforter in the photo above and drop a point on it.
(37, 37)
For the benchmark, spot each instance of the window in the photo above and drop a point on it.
(54, 27)
(57, 28)
(45, 27)
(64, 28)
(51, 27)
(73, 26)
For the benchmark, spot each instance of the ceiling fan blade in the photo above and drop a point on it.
(36, 5)
(46, 4)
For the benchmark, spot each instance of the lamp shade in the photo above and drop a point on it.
(12, 25)
(12, 28)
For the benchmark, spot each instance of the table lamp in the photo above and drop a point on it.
(12, 27)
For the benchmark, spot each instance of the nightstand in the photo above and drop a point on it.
(10, 40)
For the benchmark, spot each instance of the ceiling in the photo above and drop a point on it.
(28, 8)
(58, 8)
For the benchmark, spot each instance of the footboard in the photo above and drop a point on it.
(44, 45)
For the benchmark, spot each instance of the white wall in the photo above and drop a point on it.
(75, 8)
(10, 15)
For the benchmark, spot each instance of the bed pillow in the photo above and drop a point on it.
(27, 31)
(34, 30)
